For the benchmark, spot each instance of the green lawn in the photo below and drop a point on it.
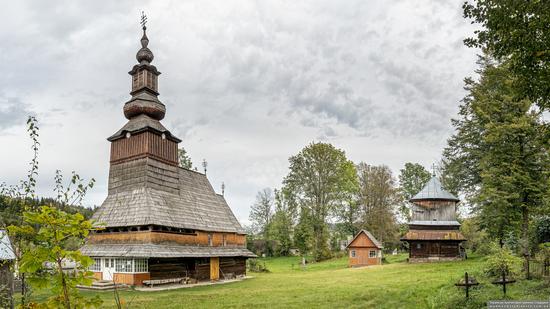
(331, 284)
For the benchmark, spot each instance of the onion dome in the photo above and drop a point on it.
(144, 55)
(144, 92)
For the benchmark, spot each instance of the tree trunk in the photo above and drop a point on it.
(64, 285)
(525, 238)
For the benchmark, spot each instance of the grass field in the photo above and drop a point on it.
(331, 284)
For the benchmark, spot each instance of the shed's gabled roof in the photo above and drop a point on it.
(433, 190)
(370, 236)
(6, 250)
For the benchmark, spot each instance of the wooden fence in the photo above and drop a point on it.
(539, 269)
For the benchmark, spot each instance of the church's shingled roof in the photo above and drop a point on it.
(453, 235)
(141, 123)
(148, 192)
(433, 190)
(150, 250)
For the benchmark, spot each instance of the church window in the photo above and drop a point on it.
(140, 265)
(96, 266)
(123, 265)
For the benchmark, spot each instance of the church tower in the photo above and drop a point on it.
(144, 136)
(160, 222)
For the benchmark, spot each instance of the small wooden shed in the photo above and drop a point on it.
(364, 250)
(7, 256)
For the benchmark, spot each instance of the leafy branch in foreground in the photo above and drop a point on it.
(52, 232)
(47, 239)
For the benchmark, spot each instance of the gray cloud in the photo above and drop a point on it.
(246, 84)
(13, 112)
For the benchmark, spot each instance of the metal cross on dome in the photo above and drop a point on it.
(143, 19)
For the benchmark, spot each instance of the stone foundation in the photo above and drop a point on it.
(434, 259)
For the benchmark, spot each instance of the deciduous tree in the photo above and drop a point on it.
(183, 159)
(500, 151)
(517, 32)
(261, 212)
(319, 181)
(412, 179)
(378, 198)
(281, 225)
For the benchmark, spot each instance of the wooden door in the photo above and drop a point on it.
(434, 248)
(214, 268)
(108, 268)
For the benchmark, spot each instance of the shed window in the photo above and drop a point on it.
(210, 239)
(372, 253)
(352, 253)
(96, 266)
(224, 237)
(418, 246)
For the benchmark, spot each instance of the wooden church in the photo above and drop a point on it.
(160, 221)
(433, 230)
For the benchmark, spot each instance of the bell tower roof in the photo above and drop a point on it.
(433, 190)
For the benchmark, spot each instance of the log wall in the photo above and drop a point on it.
(433, 249)
(433, 210)
(171, 268)
(200, 269)
(145, 144)
(200, 238)
(235, 266)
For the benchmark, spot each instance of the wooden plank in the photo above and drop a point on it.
(201, 238)
(214, 268)
(231, 267)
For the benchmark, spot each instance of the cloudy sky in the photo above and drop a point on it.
(246, 83)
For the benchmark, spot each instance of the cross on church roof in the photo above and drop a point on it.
(143, 20)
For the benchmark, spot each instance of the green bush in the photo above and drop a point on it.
(502, 260)
(254, 266)
(485, 248)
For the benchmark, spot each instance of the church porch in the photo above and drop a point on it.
(134, 271)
